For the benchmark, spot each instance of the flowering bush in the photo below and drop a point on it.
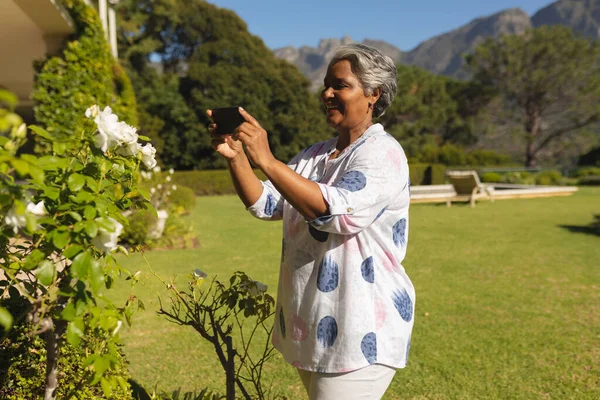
(62, 219)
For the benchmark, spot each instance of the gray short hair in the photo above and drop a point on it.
(373, 70)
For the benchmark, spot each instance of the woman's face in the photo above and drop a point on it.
(346, 104)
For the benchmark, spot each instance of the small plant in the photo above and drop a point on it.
(229, 317)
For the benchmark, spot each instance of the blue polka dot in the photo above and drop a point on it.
(328, 277)
(318, 235)
(282, 322)
(399, 232)
(368, 345)
(368, 272)
(353, 181)
(327, 331)
(407, 349)
(380, 213)
(409, 186)
(271, 205)
(403, 304)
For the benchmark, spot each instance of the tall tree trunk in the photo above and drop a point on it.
(53, 338)
(532, 127)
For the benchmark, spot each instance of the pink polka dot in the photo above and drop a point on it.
(394, 158)
(380, 313)
(390, 263)
(345, 370)
(351, 245)
(299, 328)
(286, 279)
(298, 364)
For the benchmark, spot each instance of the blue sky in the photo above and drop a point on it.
(403, 23)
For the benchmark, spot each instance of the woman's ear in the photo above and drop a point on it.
(375, 96)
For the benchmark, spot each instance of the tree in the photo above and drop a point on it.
(206, 58)
(548, 77)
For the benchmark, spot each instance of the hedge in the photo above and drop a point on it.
(218, 182)
(84, 73)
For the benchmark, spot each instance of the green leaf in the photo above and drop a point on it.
(96, 277)
(20, 166)
(106, 387)
(91, 228)
(81, 264)
(89, 212)
(68, 313)
(45, 272)
(52, 162)
(76, 182)
(51, 193)
(59, 148)
(40, 132)
(82, 197)
(37, 174)
(33, 259)
(75, 215)
(6, 319)
(144, 138)
(75, 332)
(60, 238)
(71, 251)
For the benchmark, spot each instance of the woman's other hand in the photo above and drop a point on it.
(225, 144)
(255, 139)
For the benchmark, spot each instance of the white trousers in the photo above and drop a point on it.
(369, 383)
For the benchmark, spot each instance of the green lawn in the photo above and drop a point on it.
(508, 300)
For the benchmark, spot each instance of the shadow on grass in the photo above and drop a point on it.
(138, 392)
(588, 230)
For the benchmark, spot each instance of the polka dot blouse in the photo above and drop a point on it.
(344, 300)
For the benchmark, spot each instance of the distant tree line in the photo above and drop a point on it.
(543, 88)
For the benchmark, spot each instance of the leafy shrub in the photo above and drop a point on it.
(208, 182)
(136, 232)
(84, 74)
(456, 156)
(522, 178)
(23, 367)
(491, 177)
(424, 174)
(183, 199)
(590, 180)
(592, 157)
(550, 177)
(482, 157)
(586, 171)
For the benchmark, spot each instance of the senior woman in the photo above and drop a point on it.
(345, 305)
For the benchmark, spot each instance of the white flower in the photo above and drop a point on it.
(174, 187)
(171, 171)
(156, 170)
(127, 133)
(15, 220)
(38, 209)
(159, 186)
(148, 152)
(131, 149)
(152, 190)
(200, 274)
(107, 241)
(92, 112)
(168, 179)
(108, 129)
(168, 192)
(20, 132)
(146, 175)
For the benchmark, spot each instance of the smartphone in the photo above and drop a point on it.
(227, 119)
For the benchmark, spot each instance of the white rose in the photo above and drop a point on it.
(131, 149)
(107, 241)
(15, 220)
(168, 179)
(148, 152)
(171, 171)
(156, 170)
(174, 187)
(152, 190)
(128, 133)
(92, 112)
(108, 129)
(38, 209)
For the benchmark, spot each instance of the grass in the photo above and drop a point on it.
(508, 300)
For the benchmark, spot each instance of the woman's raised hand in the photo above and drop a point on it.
(225, 144)
(255, 139)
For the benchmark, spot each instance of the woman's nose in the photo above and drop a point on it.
(327, 93)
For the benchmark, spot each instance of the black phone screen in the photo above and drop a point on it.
(227, 119)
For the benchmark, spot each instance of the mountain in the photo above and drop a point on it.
(583, 16)
(443, 54)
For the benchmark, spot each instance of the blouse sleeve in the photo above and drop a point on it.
(376, 176)
(269, 206)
